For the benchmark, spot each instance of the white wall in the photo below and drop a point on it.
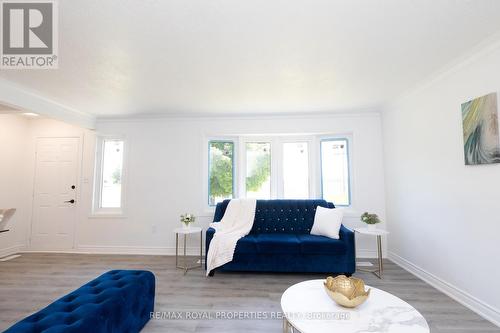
(14, 183)
(165, 175)
(443, 215)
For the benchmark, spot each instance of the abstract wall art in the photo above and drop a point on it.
(480, 126)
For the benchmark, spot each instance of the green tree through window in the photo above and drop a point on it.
(221, 171)
(261, 170)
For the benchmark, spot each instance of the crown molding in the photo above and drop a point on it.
(362, 112)
(481, 49)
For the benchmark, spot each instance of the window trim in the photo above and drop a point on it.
(273, 190)
(348, 140)
(310, 141)
(97, 210)
(235, 191)
(277, 187)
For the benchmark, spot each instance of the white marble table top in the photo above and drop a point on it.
(190, 230)
(310, 310)
(372, 231)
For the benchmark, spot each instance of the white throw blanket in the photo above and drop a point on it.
(235, 224)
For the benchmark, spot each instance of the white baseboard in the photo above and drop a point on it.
(484, 310)
(11, 250)
(166, 251)
(126, 250)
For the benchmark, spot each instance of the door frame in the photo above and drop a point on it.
(79, 170)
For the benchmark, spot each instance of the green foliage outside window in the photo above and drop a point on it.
(117, 176)
(221, 170)
(262, 168)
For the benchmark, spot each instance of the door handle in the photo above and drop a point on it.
(70, 201)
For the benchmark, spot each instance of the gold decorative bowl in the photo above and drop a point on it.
(347, 292)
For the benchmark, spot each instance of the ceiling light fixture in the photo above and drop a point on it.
(30, 114)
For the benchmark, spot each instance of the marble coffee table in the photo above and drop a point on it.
(308, 309)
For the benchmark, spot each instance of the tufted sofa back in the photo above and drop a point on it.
(280, 216)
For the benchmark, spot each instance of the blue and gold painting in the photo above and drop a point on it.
(480, 125)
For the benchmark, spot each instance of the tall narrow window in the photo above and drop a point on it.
(221, 171)
(335, 171)
(295, 170)
(258, 170)
(111, 175)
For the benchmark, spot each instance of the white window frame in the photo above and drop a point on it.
(277, 182)
(242, 163)
(310, 160)
(349, 139)
(206, 169)
(97, 210)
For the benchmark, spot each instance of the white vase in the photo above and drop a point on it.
(186, 225)
(372, 226)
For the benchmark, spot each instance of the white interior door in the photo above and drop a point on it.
(54, 197)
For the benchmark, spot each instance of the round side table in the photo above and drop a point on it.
(186, 232)
(378, 233)
(308, 309)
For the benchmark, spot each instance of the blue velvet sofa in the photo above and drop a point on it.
(280, 241)
(117, 301)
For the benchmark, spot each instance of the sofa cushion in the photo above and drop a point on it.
(327, 222)
(312, 244)
(247, 244)
(286, 216)
(277, 243)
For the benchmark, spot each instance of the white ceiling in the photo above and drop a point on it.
(122, 57)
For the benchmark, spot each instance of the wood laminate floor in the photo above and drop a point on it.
(32, 281)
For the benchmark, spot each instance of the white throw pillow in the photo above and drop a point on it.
(327, 222)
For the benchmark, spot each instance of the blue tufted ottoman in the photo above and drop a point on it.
(117, 301)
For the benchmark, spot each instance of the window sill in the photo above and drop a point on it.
(209, 211)
(107, 216)
(348, 211)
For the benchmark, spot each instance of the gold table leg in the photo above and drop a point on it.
(185, 266)
(287, 327)
(176, 250)
(379, 271)
(380, 263)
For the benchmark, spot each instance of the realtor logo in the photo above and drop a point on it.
(29, 34)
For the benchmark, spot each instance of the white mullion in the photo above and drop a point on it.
(315, 172)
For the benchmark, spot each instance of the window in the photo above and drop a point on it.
(335, 185)
(258, 170)
(295, 170)
(221, 171)
(109, 177)
(278, 167)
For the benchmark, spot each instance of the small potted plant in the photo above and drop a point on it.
(187, 219)
(370, 219)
